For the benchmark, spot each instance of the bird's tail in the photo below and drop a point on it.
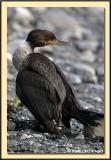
(93, 121)
(87, 118)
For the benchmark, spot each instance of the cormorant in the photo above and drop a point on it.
(43, 88)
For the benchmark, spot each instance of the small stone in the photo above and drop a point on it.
(11, 126)
(10, 77)
(9, 57)
(86, 45)
(75, 79)
(37, 135)
(12, 46)
(86, 73)
(80, 136)
(25, 14)
(25, 136)
(100, 70)
(87, 56)
(39, 9)
(86, 105)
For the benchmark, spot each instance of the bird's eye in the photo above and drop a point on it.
(53, 37)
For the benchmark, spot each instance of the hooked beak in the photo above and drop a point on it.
(58, 42)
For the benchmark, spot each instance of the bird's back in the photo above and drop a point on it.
(40, 64)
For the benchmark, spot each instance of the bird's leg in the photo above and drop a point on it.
(65, 130)
(52, 129)
(50, 126)
(56, 131)
(15, 102)
(60, 124)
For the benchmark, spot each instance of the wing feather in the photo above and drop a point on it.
(38, 95)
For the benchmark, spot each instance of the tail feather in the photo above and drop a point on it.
(88, 118)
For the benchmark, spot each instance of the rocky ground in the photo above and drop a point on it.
(82, 63)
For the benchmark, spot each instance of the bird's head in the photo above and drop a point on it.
(41, 38)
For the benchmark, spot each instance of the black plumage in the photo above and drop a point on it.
(44, 89)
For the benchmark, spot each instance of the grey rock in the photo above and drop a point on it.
(25, 136)
(44, 145)
(100, 70)
(10, 13)
(13, 45)
(37, 10)
(87, 56)
(37, 135)
(11, 126)
(80, 136)
(74, 79)
(86, 105)
(10, 77)
(86, 45)
(26, 15)
(85, 72)
(92, 103)
(51, 18)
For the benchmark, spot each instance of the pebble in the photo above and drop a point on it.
(11, 126)
(13, 45)
(51, 18)
(86, 105)
(74, 79)
(10, 77)
(100, 70)
(37, 135)
(86, 72)
(9, 57)
(80, 136)
(86, 45)
(87, 56)
(25, 136)
(26, 15)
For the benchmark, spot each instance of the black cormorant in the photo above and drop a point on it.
(43, 88)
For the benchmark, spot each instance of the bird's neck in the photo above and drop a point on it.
(21, 53)
(27, 48)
